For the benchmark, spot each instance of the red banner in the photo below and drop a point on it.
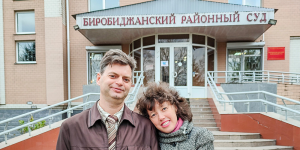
(276, 53)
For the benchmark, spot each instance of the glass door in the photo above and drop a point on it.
(180, 66)
(174, 66)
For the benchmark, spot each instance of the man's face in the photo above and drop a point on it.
(115, 82)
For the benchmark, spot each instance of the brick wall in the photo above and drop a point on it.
(2, 74)
(24, 82)
(289, 91)
(279, 35)
(77, 50)
(221, 56)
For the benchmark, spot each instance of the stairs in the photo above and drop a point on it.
(203, 117)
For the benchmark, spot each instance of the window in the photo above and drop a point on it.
(244, 60)
(26, 52)
(246, 2)
(25, 22)
(103, 4)
(94, 59)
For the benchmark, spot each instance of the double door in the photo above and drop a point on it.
(175, 66)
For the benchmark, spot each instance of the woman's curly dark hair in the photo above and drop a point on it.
(162, 92)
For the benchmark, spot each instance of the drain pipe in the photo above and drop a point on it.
(68, 53)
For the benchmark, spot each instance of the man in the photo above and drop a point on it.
(109, 124)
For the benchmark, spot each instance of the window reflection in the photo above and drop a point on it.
(137, 57)
(174, 38)
(198, 66)
(99, 4)
(149, 64)
(243, 60)
(94, 66)
(25, 22)
(180, 66)
(246, 2)
(164, 64)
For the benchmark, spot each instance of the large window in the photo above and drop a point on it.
(244, 60)
(26, 52)
(246, 2)
(103, 4)
(25, 22)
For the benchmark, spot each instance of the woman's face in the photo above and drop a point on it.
(163, 116)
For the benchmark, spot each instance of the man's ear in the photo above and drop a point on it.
(98, 78)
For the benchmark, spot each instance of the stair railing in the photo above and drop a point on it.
(219, 97)
(132, 95)
(257, 76)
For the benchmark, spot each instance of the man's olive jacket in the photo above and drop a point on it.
(86, 131)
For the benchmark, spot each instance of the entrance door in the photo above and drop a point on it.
(174, 67)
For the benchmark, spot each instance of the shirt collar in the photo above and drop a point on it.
(105, 114)
(94, 115)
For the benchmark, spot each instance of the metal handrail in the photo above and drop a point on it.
(135, 90)
(219, 97)
(260, 76)
(48, 107)
(41, 119)
(132, 95)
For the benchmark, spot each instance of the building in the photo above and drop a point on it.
(50, 50)
(47, 56)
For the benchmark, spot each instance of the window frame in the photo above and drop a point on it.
(16, 21)
(17, 53)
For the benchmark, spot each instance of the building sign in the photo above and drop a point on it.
(276, 53)
(174, 20)
(164, 63)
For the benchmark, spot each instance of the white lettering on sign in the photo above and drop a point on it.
(174, 20)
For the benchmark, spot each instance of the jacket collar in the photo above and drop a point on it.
(94, 115)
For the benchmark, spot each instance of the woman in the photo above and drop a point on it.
(172, 116)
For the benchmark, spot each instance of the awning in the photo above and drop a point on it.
(226, 22)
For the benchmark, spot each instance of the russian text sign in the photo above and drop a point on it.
(276, 53)
(174, 20)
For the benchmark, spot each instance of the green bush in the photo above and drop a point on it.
(34, 127)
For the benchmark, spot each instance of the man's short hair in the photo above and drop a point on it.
(116, 56)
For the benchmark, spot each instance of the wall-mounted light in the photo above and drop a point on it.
(76, 27)
(272, 22)
(33, 107)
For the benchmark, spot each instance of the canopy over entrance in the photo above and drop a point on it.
(226, 22)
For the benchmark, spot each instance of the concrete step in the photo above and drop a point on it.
(205, 124)
(256, 148)
(218, 135)
(244, 143)
(200, 109)
(204, 120)
(201, 113)
(199, 103)
(197, 99)
(203, 116)
(212, 128)
(199, 106)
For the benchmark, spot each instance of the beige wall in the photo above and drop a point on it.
(24, 82)
(54, 60)
(288, 22)
(45, 81)
(77, 50)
